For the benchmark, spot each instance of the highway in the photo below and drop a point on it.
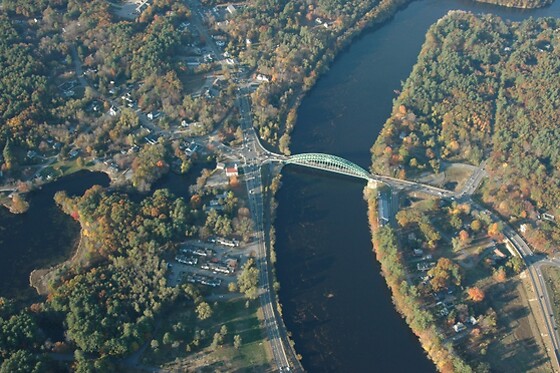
(284, 355)
(535, 274)
(534, 264)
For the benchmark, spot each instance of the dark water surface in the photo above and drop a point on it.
(335, 302)
(42, 236)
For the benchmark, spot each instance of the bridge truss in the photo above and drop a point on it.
(327, 162)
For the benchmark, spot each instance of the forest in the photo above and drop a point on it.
(484, 89)
(525, 4)
(295, 43)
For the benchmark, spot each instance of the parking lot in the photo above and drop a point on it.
(207, 263)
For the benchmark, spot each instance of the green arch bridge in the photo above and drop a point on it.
(328, 162)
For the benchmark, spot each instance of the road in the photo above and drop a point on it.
(283, 353)
(474, 181)
(534, 264)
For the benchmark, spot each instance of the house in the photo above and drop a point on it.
(547, 216)
(232, 171)
(220, 166)
(153, 115)
(191, 149)
(459, 327)
(472, 320)
(231, 9)
(113, 111)
(231, 264)
(262, 78)
(499, 254)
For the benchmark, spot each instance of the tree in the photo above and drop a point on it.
(248, 280)
(443, 273)
(148, 166)
(237, 341)
(476, 294)
(203, 311)
(495, 229)
(516, 264)
(476, 225)
(154, 344)
(223, 330)
(217, 340)
(167, 338)
(22, 361)
(8, 153)
(464, 236)
(232, 287)
(19, 204)
(500, 274)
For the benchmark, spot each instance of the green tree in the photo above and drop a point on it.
(248, 280)
(22, 361)
(9, 156)
(203, 311)
(237, 341)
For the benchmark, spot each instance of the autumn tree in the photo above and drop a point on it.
(495, 229)
(444, 273)
(475, 294)
(476, 225)
(500, 274)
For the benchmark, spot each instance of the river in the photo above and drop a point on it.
(42, 236)
(335, 302)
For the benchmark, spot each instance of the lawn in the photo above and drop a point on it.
(552, 279)
(518, 348)
(250, 356)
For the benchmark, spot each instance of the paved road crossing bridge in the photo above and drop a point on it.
(339, 165)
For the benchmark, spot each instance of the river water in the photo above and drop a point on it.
(42, 236)
(335, 302)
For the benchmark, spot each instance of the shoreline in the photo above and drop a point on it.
(513, 6)
(405, 302)
(376, 17)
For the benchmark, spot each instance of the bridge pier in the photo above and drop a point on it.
(372, 184)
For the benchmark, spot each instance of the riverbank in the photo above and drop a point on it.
(376, 17)
(405, 299)
(519, 4)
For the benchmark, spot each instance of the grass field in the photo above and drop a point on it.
(250, 356)
(552, 279)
